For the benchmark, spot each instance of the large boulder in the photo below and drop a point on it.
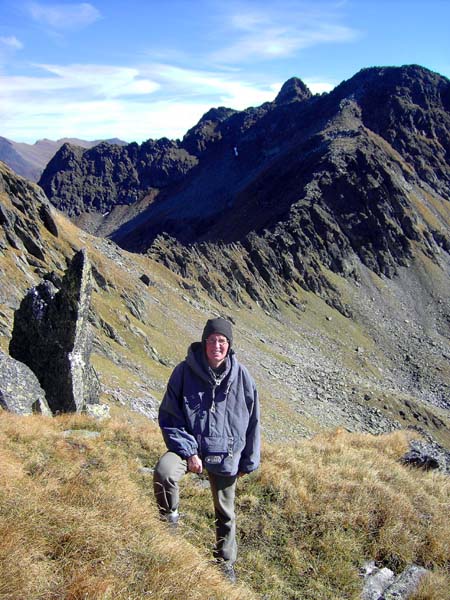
(383, 584)
(52, 336)
(427, 454)
(20, 391)
(406, 584)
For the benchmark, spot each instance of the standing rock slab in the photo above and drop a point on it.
(52, 336)
(20, 391)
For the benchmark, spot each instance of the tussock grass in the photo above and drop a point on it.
(77, 522)
(319, 509)
(78, 519)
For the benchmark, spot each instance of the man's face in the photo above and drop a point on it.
(216, 349)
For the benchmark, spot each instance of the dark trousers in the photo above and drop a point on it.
(169, 471)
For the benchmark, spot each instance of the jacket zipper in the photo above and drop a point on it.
(213, 403)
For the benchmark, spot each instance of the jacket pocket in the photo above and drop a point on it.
(216, 448)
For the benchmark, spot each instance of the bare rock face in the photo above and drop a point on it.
(98, 179)
(20, 217)
(405, 584)
(52, 336)
(20, 391)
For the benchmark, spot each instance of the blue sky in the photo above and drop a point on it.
(141, 69)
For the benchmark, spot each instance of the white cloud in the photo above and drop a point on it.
(101, 80)
(11, 42)
(318, 87)
(280, 31)
(217, 88)
(83, 80)
(76, 100)
(64, 16)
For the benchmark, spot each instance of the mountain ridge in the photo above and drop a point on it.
(298, 185)
(29, 160)
(360, 199)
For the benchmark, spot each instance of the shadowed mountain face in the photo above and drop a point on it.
(271, 196)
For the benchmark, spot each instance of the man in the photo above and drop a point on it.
(209, 418)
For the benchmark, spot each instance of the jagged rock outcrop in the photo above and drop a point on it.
(427, 455)
(409, 108)
(20, 391)
(207, 131)
(19, 228)
(52, 336)
(404, 586)
(293, 90)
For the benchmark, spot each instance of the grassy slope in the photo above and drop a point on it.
(282, 351)
(78, 519)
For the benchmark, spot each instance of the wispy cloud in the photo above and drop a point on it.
(63, 96)
(104, 81)
(94, 101)
(220, 87)
(64, 16)
(11, 42)
(280, 31)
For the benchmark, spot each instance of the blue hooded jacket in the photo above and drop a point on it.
(218, 421)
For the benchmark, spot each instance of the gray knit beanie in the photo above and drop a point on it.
(218, 325)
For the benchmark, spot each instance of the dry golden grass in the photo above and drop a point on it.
(321, 508)
(78, 520)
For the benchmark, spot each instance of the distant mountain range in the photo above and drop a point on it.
(29, 160)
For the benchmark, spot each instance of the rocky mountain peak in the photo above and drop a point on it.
(216, 115)
(69, 151)
(293, 90)
(410, 83)
(207, 130)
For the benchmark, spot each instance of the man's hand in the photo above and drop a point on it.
(194, 464)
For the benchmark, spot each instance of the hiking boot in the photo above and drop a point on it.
(228, 570)
(171, 519)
